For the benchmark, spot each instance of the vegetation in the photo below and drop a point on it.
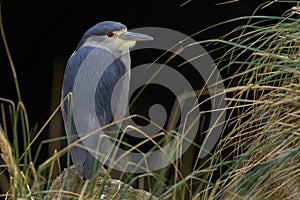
(258, 156)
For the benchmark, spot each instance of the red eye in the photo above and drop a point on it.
(110, 34)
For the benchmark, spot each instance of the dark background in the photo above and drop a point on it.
(42, 35)
(41, 32)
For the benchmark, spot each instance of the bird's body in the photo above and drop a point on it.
(102, 55)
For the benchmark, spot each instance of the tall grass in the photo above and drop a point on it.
(264, 140)
(258, 156)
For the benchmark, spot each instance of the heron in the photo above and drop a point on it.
(103, 52)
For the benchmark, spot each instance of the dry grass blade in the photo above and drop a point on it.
(7, 156)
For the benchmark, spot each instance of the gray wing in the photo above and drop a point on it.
(94, 110)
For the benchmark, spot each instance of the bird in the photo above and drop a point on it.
(104, 52)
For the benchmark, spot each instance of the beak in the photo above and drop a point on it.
(135, 36)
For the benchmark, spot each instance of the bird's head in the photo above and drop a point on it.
(112, 35)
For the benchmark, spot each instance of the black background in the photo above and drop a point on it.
(41, 32)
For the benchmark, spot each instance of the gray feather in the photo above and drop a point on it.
(99, 59)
